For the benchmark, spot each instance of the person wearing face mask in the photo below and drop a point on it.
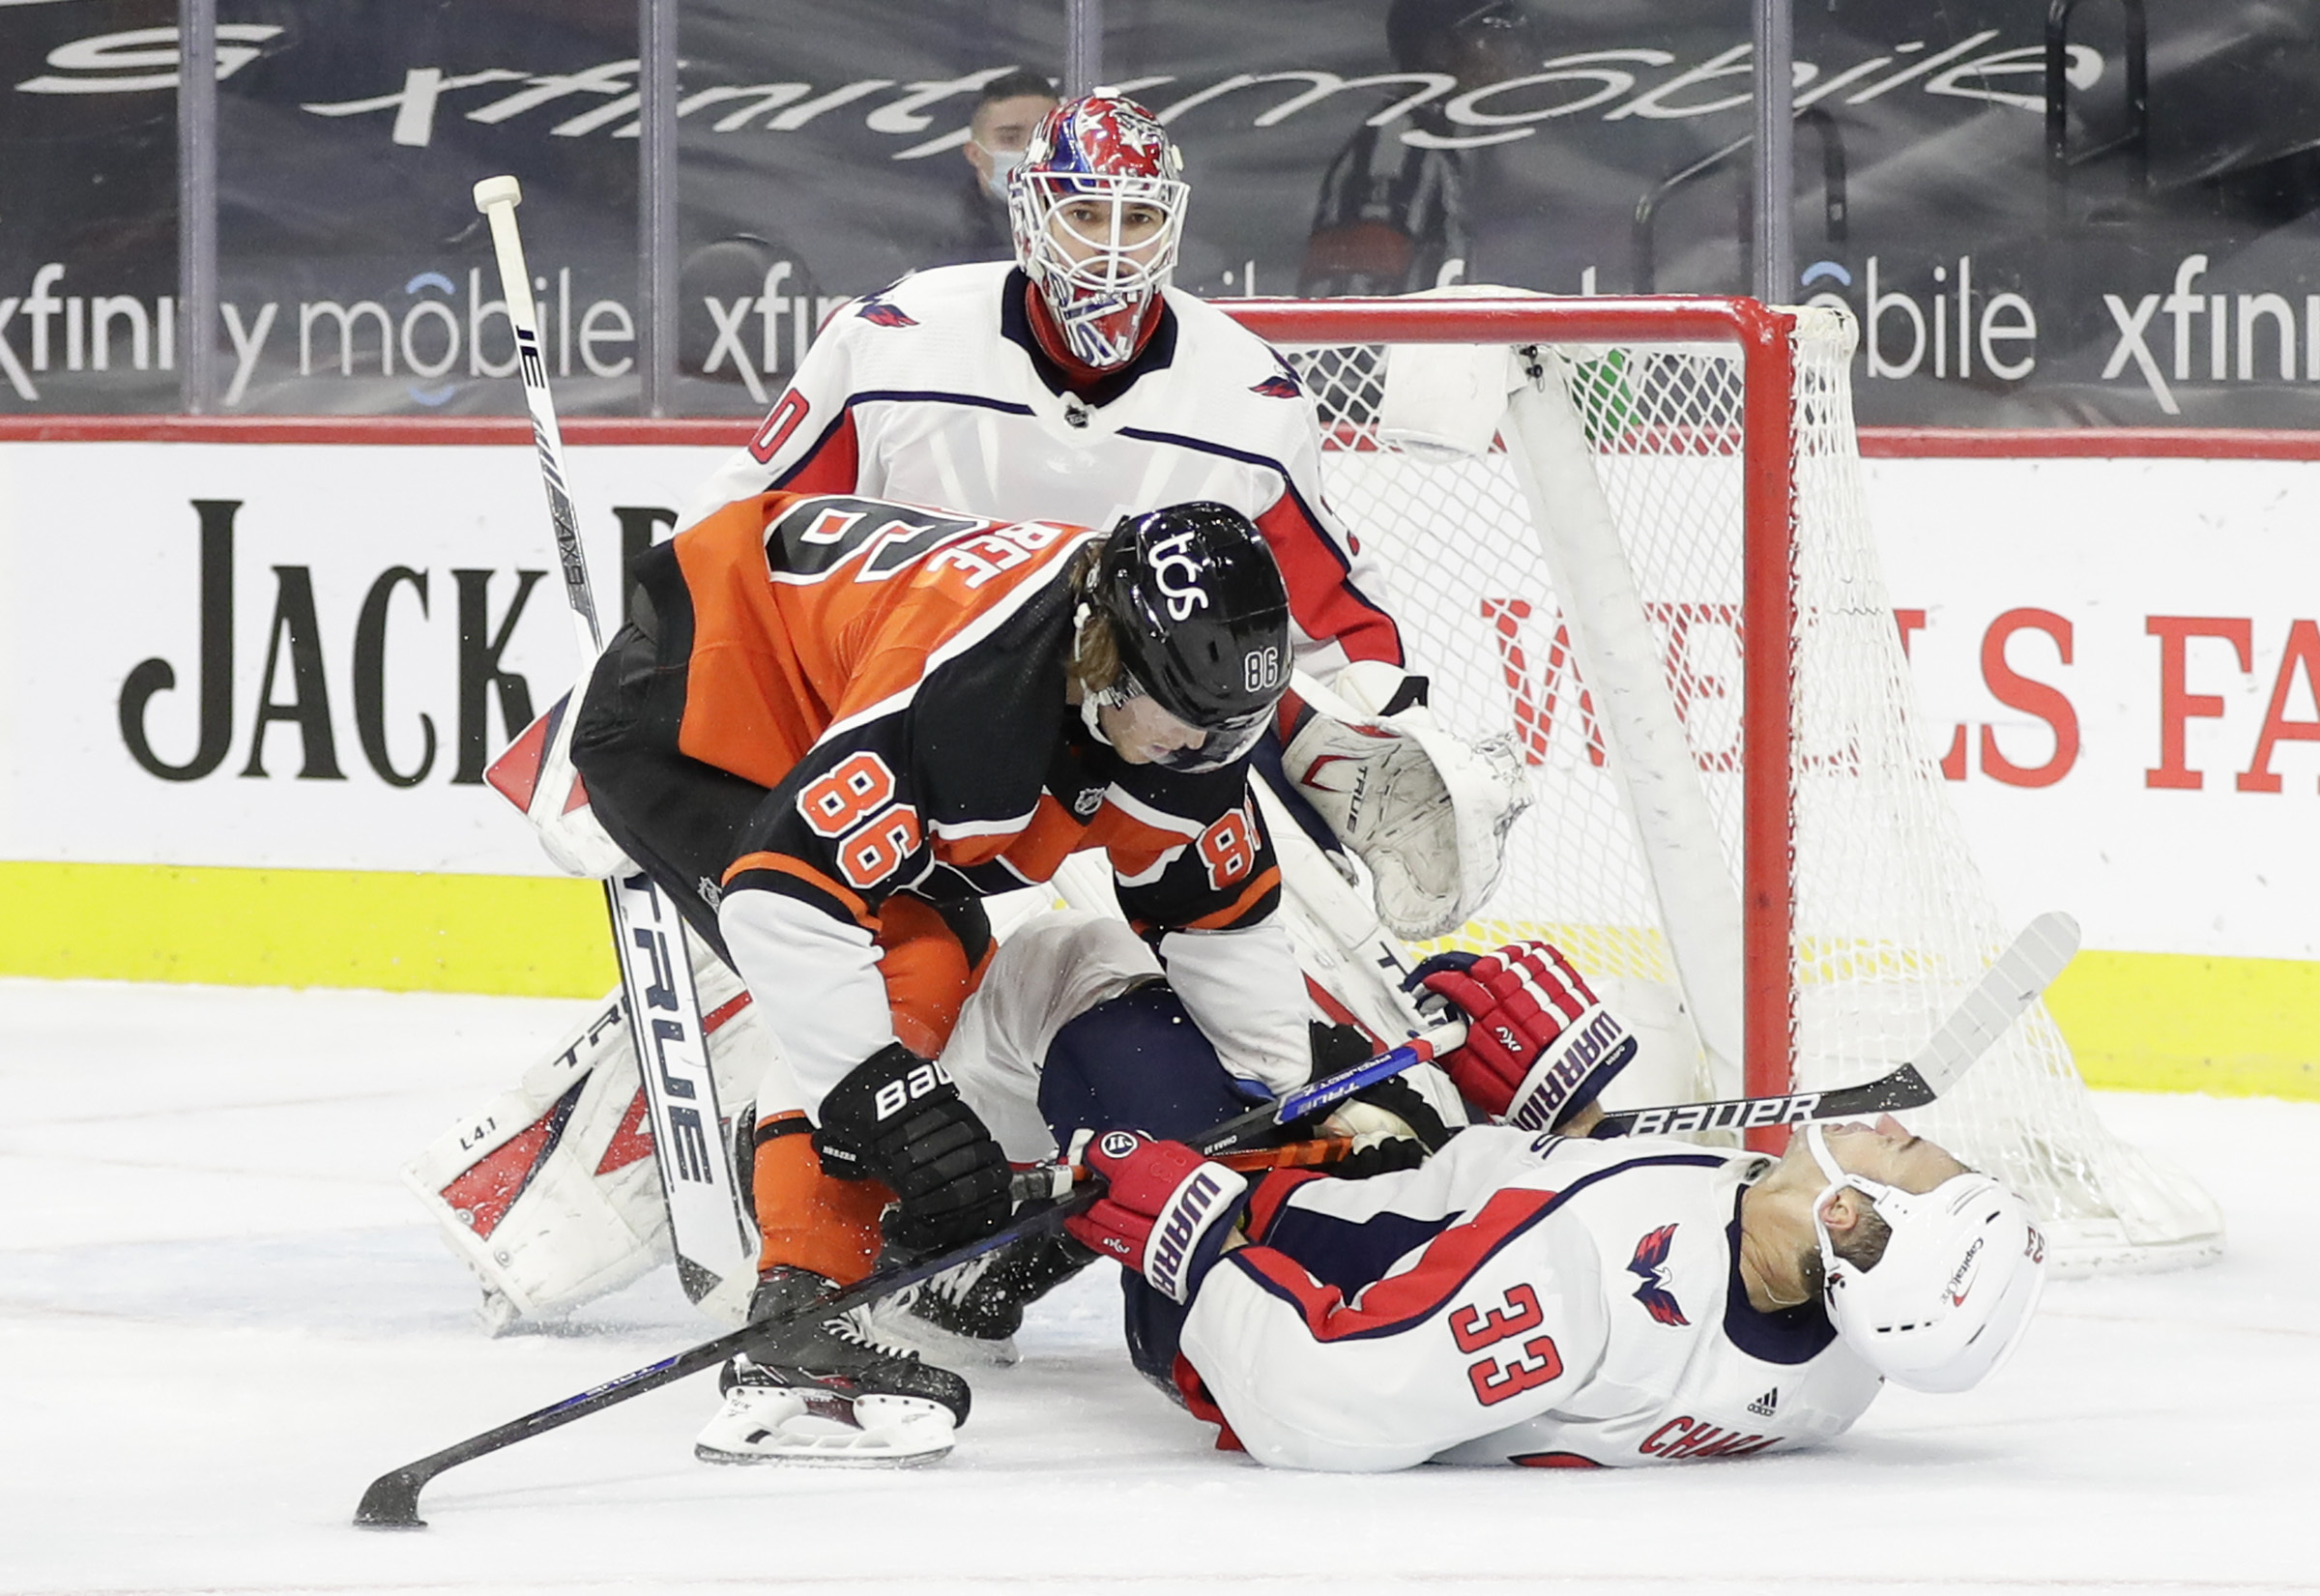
(1006, 114)
(1534, 1298)
(1078, 384)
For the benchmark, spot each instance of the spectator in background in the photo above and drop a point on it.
(1005, 112)
(1392, 214)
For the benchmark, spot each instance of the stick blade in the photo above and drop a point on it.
(392, 1502)
(2005, 988)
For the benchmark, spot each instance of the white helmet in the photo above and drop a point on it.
(1949, 1300)
(1106, 148)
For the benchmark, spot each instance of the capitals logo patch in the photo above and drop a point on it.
(880, 313)
(1650, 1259)
(1283, 387)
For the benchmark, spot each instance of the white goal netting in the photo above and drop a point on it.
(1891, 921)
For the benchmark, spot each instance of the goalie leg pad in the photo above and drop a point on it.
(549, 1193)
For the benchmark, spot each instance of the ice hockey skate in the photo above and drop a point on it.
(970, 1314)
(829, 1392)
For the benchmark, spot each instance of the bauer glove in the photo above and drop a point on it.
(896, 1118)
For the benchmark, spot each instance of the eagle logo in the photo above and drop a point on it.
(1648, 1266)
(1278, 386)
(880, 313)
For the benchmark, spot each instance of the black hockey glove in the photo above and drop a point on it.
(897, 1118)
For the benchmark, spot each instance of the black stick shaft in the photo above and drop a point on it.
(393, 1501)
(1904, 1089)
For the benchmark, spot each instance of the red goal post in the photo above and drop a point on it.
(1770, 884)
(1763, 338)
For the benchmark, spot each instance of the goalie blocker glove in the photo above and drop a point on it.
(1539, 1045)
(1169, 1211)
(896, 1118)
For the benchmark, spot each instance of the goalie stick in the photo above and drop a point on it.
(712, 1239)
(392, 1502)
(1997, 1000)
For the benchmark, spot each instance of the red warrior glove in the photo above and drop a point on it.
(1168, 1214)
(1539, 1047)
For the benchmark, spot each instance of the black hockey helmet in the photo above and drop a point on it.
(1198, 608)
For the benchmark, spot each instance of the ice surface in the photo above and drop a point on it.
(220, 1316)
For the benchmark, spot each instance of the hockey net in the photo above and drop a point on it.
(1865, 918)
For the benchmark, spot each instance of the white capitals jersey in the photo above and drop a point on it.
(1518, 1299)
(934, 391)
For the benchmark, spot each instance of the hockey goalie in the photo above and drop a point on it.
(1074, 386)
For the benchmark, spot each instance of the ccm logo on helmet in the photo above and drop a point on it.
(1178, 576)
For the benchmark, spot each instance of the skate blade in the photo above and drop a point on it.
(815, 1458)
(822, 1430)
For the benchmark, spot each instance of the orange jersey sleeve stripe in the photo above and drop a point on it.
(782, 864)
(1249, 898)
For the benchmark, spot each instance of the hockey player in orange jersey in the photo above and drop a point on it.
(833, 725)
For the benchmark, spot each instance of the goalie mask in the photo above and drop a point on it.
(1950, 1299)
(1198, 609)
(1097, 208)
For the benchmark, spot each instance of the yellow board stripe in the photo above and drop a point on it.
(2179, 1022)
(2139, 1022)
(395, 932)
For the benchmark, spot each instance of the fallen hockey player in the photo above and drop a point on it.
(1538, 1298)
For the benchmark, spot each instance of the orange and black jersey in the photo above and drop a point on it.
(823, 700)
(894, 678)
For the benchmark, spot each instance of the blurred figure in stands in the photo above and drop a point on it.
(1392, 214)
(1005, 112)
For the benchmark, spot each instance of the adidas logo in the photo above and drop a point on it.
(1763, 1405)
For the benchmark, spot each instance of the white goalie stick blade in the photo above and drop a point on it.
(707, 1224)
(549, 1191)
(809, 1425)
(2005, 988)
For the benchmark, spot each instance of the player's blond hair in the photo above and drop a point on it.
(1094, 664)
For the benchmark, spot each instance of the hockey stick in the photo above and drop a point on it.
(1997, 1000)
(392, 1502)
(707, 1229)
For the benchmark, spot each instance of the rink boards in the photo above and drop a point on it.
(249, 687)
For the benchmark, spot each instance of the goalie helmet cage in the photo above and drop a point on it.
(1793, 887)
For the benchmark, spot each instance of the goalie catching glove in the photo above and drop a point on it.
(1539, 1046)
(1169, 1211)
(896, 1118)
(1426, 811)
